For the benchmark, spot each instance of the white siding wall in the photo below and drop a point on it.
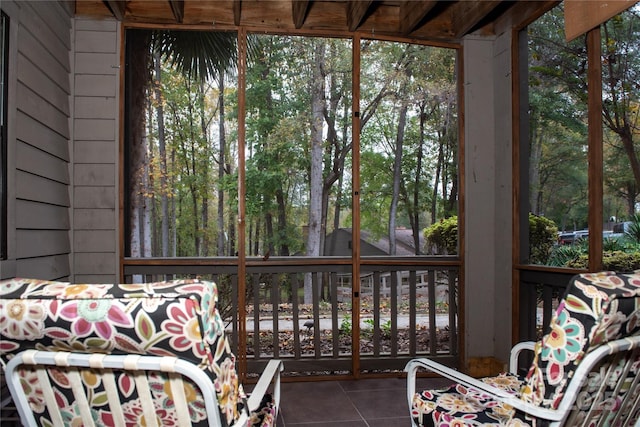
(95, 151)
(488, 196)
(38, 140)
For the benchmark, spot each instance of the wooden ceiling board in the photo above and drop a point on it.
(209, 12)
(412, 13)
(429, 20)
(467, 15)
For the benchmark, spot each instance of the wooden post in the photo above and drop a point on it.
(594, 85)
(242, 253)
(355, 206)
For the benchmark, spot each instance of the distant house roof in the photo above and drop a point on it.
(339, 243)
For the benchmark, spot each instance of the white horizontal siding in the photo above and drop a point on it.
(37, 215)
(51, 266)
(95, 130)
(39, 142)
(39, 136)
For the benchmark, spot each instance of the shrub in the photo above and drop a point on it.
(543, 235)
(563, 255)
(615, 261)
(442, 237)
(633, 232)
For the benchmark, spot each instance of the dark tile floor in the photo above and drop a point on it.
(380, 402)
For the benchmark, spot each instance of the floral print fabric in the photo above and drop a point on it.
(174, 318)
(597, 308)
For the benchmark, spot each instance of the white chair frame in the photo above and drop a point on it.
(105, 365)
(556, 417)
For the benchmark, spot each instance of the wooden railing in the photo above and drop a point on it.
(540, 290)
(408, 308)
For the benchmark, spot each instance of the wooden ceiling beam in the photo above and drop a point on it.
(299, 9)
(356, 13)
(412, 13)
(468, 15)
(117, 7)
(177, 7)
(237, 11)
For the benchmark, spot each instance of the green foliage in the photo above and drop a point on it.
(345, 325)
(563, 255)
(615, 261)
(542, 238)
(443, 236)
(633, 232)
(385, 328)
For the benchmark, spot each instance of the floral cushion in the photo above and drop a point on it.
(465, 406)
(175, 318)
(597, 308)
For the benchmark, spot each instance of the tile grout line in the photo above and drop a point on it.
(353, 404)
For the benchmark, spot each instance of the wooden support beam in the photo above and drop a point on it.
(412, 13)
(177, 7)
(356, 12)
(117, 8)
(596, 150)
(237, 11)
(299, 8)
(469, 14)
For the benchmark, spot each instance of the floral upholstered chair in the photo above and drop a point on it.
(133, 342)
(586, 368)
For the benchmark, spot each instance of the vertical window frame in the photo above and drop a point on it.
(4, 101)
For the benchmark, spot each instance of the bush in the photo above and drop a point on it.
(543, 235)
(633, 232)
(615, 261)
(563, 255)
(442, 237)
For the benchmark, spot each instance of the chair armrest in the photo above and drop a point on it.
(498, 394)
(515, 354)
(270, 374)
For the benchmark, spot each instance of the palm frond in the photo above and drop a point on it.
(198, 54)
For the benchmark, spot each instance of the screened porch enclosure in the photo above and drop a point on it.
(65, 173)
(251, 169)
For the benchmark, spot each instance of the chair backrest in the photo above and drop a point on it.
(175, 318)
(596, 310)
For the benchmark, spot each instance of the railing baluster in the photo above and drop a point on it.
(453, 311)
(234, 312)
(255, 279)
(377, 290)
(275, 313)
(316, 316)
(433, 336)
(335, 326)
(413, 284)
(393, 298)
(295, 286)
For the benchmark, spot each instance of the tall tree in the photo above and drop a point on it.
(315, 175)
(197, 55)
(162, 153)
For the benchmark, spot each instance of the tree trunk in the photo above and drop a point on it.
(221, 162)
(282, 222)
(162, 152)
(138, 48)
(397, 176)
(535, 154)
(204, 173)
(415, 223)
(316, 184)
